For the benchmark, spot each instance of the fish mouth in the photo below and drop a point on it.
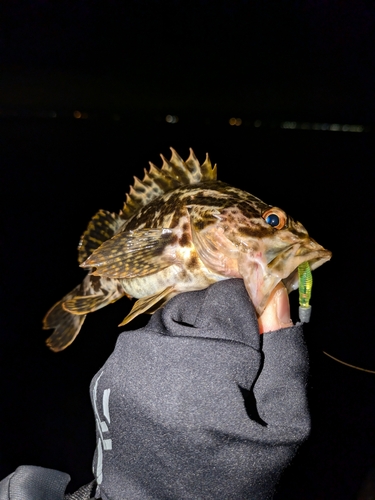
(292, 281)
(260, 280)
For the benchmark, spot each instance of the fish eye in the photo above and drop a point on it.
(273, 220)
(275, 217)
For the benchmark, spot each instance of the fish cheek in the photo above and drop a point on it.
(245, 231)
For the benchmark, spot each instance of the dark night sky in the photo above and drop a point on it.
(313, 59)
(128, 64)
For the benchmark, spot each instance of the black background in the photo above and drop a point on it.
(127, 65)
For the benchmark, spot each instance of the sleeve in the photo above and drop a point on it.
(29, 482)
(173, 412)
(280, 390)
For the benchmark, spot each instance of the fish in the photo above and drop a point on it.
(179, 230)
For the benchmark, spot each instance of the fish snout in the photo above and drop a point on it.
(308, 245)
(309, 250)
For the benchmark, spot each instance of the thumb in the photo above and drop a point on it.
(277, 312)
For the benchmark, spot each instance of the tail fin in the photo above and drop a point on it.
(66, 324)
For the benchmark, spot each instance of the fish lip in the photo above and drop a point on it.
(288, 260)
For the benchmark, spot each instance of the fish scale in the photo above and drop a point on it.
(181, 230)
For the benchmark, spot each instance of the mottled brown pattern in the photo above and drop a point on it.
(234, 205)
(96, 282)
(193, 263)
(173, 240)
(177, 214)
(198, 224)
(256, 231)
(180, 230)
(185, 240)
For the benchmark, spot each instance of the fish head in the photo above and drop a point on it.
(260, 244)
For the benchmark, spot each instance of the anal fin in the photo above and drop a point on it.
(80, 305)
(147, 304)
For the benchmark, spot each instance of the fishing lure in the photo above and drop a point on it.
(305, 286)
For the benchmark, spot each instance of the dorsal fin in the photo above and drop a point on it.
(174, 173)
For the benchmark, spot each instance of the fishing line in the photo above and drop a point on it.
(347, 364)
(305, 286)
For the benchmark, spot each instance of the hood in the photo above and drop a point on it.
(217, 312)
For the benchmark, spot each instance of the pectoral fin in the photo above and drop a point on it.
(216, 251)
(100, 228)
(132, 254)
(146, 303)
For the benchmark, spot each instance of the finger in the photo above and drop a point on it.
(277, 312)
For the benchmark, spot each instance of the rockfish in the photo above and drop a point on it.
(180, 230)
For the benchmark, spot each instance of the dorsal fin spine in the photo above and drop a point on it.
(178, 172)
(193, 165)
(173, 173)
(208, 172)
(176, 158)
(153, 169)
(138, 185)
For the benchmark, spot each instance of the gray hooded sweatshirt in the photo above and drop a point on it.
(197, 405)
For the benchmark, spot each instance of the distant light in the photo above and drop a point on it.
(356, 128)
(335, 127)
(53, 114)
(316, 126)
(353, 128)
(235, 121)
(77, 114)
(325, 126)
(291, 125)
(257, 123)
(171, 119)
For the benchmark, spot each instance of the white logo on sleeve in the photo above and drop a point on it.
(102, 425)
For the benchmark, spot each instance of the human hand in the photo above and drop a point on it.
(277, 312)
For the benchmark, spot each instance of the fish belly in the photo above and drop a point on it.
(183, 280)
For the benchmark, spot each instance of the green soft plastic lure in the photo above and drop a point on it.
(305, 286)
